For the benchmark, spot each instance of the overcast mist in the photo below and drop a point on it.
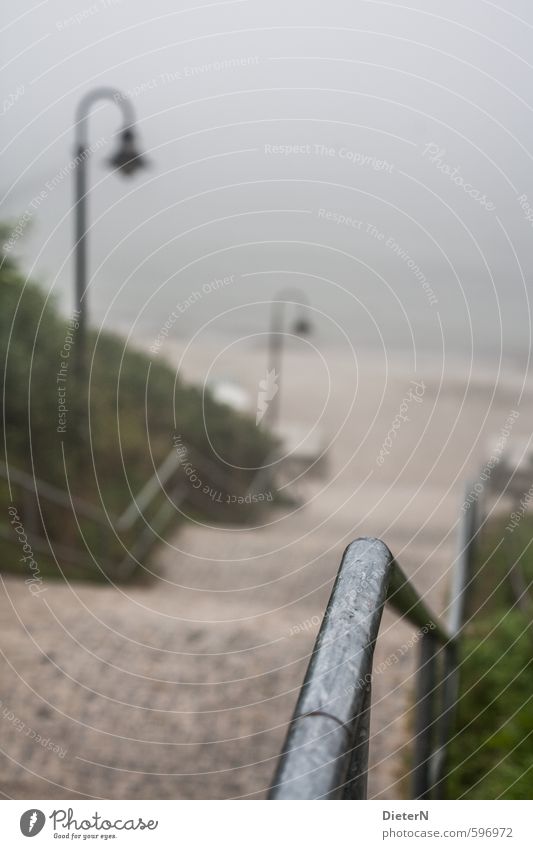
(376, 155)
(266, 269)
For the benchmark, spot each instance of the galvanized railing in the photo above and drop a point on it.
(325, 755)
(168, 484)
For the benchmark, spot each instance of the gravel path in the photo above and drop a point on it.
(184, 689)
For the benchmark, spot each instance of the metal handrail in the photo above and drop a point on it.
(52, 493)
(325, 754)
(152, 488)
(127, 520)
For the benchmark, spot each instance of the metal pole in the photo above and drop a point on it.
(275, 347)
(424, 718)
(80, 237)
(127, 160)
(275, 352)
(461, 579)
(82, 154)
(356, 787)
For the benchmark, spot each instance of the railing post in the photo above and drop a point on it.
(450, 695)
(463, 574)
(424, 718)
(356, 786)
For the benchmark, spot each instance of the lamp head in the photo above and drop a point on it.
(127, 159)
(302, 327)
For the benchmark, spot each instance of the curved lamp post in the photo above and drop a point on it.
(301, 326)
(126, 160)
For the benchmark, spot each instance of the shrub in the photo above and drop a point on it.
(116, 432)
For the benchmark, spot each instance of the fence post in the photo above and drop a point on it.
(424, 718)
(356, 787)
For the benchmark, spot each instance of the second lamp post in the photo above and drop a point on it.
(300, 327)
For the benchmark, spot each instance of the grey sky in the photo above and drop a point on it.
(362, 89)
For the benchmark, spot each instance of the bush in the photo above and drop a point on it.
(112, 444)
(492, 754)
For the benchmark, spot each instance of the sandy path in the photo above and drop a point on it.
(183, 690)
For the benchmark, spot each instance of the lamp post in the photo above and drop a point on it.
(126, 160)
(301, 327)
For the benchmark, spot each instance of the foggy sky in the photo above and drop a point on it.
(266, 124)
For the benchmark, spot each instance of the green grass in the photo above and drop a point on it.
(492, 754)
(136, 406)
